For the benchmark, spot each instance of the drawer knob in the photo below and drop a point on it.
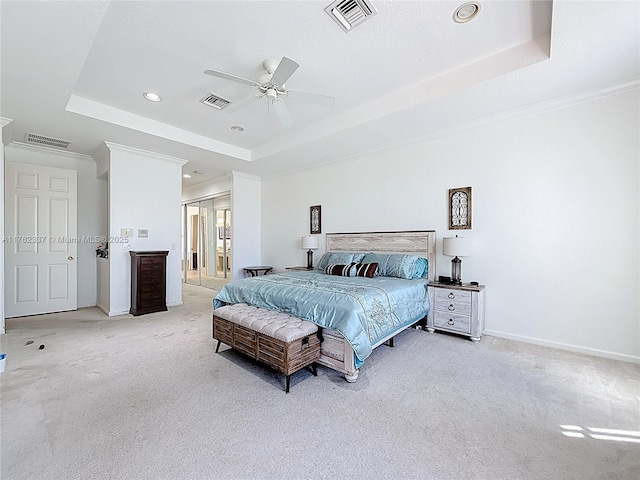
(451, 295)
(451, 322)
(451, 308)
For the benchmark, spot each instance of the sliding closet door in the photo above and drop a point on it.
(206, 248)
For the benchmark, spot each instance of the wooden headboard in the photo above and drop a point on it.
(421, 243)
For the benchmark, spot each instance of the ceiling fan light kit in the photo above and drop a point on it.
(272, 85)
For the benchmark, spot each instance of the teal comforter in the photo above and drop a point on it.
(364, 310)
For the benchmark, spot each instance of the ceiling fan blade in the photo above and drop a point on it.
(285, 69)
(316, 98)
(233, 78)
(241, 103)
(283, 112)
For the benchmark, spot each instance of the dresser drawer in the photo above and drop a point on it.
(445, 295)
(453, 307)
(150, 261)
(457, 323)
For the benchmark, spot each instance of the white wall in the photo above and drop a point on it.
(555, 217)
(245, 222)
(144, 193)
(91, 213)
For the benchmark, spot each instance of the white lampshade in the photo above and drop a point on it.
(309, 242)
(457, 246)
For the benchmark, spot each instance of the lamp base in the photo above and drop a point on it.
(310, 259)
(456, 271)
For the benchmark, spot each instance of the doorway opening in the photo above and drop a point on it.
(206, 242)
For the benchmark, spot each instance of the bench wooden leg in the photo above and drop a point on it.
(218, 346)
(286, 384)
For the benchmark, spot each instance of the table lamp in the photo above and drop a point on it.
(456, 247)
(311, 243)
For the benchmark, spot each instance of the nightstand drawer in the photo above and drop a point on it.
(458, 323)
(450, 295)
(453, 307)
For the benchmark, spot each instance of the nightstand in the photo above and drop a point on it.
(300, 269)
(457, 309)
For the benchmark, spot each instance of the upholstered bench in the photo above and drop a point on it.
(282, 341)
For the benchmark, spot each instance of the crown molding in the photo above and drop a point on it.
(568, 101)
(114, 147)
(48, 151)
(235, 173)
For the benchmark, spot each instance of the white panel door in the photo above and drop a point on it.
(41, 243)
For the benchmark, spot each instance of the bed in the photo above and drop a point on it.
(356, 313)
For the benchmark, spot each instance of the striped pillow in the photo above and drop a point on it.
(366, 269)
(341, 270)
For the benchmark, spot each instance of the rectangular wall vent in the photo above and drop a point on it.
(48, 141)
(215, 101)
(349, 13)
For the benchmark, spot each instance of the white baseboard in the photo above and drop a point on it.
(116, 313)
(102, 309)
(565, 346)
(124, 312)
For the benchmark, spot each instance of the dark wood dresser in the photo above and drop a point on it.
(148, 282)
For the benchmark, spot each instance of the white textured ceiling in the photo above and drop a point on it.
(77, 71)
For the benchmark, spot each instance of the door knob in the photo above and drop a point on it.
(69, 257)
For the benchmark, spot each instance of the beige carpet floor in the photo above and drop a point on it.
(148, 398)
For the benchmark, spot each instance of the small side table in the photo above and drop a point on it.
(300, 269)
(255, 270)
(456, 309)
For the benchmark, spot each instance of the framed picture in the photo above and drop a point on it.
(460, 208)
(315, 219)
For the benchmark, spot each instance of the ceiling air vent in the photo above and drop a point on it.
(349, 13)
(215, 101)
(48, 141)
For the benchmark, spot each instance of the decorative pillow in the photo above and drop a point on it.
(421, 268)
(366, 269)
(398, 265)
(329, 258)
(341, 270)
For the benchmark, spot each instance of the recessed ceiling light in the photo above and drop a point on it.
(466, 12)
(186, 175)
(237, 128)
(152, 97)
(198, 172)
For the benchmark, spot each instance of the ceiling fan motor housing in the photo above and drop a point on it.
(270, 65)
(265, 79)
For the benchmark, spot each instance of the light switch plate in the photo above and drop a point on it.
(126, 232)
(143, 233)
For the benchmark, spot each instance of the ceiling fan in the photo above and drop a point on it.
(271, 85)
